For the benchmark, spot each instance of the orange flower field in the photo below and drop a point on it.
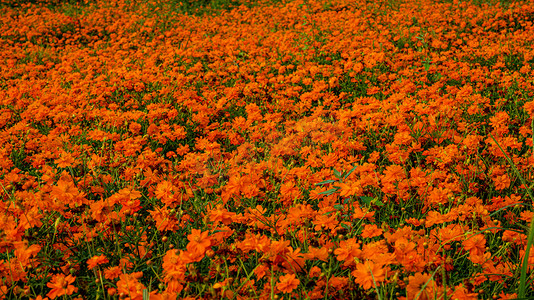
(266, 149)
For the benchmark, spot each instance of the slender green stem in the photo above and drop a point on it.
(530, 240)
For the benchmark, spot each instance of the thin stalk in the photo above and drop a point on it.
(524, 267)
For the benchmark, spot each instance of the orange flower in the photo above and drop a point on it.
(165, 191)
(368, 273)
(220, 215)
(174, 268)
(315, 271)
(112, 273)
(165, 220)
(415, 290)
(130, 285)
(394, 173)
(294, 259)
(338, 282)
(66, 192)
(404, 248)
(289, 192)
(325, 222)
(504, 296)
(350, 189)
(403, 138)
(287, 283)
(501, 182)
(61, 285)
(318, 253)
(461, 293)
(96, 260)
(261, 271)
(65, 160)
(370, 231)
(198, 241)
(25, 252)
(347, 251)
(476, 245)
(233, 187)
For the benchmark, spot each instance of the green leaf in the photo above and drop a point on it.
(330, 191)
(350, 172)
(367, 200)
(338, 206)
(326, 182)
(345, 226)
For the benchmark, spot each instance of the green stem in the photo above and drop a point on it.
(530, 240)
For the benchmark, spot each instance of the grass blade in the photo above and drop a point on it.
(524, 266)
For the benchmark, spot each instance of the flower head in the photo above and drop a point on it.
(61, 285)
(287, 283)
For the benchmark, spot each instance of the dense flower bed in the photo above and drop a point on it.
(301, 149)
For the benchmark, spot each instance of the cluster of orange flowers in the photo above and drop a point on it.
(145, 151)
